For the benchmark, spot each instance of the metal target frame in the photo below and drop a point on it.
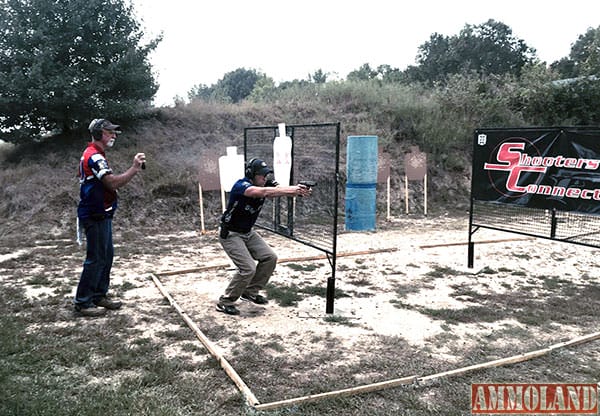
(315, 155)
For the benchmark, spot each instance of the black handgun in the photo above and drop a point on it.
(308, 184)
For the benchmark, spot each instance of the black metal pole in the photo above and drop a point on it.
(330, 292)
(553, 224)
(331, 280)
(471, 245)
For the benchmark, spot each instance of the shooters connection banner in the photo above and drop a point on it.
(542, 168)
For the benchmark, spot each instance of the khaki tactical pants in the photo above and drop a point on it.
(245, 250)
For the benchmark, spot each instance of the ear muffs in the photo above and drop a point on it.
(250, 169)
(96, 129)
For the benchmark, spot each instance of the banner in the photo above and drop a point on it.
(546, 168)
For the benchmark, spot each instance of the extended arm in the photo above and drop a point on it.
(271, 192)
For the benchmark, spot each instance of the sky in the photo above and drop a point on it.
(290, 39)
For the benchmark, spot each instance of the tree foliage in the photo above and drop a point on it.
(384, 73)
(63, 62)
(486, 49)
(584, 59)
(364, 73)
(318, 77)
(233, 87)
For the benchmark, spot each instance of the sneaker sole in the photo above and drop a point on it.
(110, 307)
(222, 310)
(90, 314)
(255, 303)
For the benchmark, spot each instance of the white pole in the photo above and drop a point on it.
(388, 198)
(201, 209)
(406, 192)
(223, 199)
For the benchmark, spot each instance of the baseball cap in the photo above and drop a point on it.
(103, 124)
(260, 168)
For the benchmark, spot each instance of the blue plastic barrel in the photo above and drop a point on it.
(361, 170)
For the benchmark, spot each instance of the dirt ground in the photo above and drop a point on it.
(412, 299)
(405, 265)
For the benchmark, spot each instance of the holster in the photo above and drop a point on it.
(224, 231)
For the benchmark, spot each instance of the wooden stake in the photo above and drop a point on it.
(412, 379)
(323, 256)
(284, 260)
(425, 194)
(233, 375)
(193, 270)
(339, 393)
(514, 359)
(253, 401)
(505, 240)
(406, 192)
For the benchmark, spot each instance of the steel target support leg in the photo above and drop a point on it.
(470, 254)
(330, 294)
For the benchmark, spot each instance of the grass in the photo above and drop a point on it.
(304, 267)
(466, 315)
(94, 366)
(288, 296)
(361, 281)
(284, 295)
(462, 290)
(52, 371)
(554, 282)
(51, 364)
(151, 363)
(439, 272)
(338, 319)
(321, 291)
(39, 280)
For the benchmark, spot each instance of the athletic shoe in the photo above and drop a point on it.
(228, 309)
(258, 299)
(92, 311)
(108, 303)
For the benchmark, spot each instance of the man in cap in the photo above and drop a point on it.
(97, 206)
(254, 259)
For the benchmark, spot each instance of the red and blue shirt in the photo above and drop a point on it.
(96, 200)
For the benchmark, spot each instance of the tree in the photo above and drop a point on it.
(233, 87)
(389, 74)
(318, 77)
(435, 59)
(584, 58)
(203, 92)
(239, 84)
(63, 62)
(486, 49)
(364, 73)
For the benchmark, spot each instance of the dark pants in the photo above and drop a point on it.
(95, 277)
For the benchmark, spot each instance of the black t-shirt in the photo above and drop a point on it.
(242, 211)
